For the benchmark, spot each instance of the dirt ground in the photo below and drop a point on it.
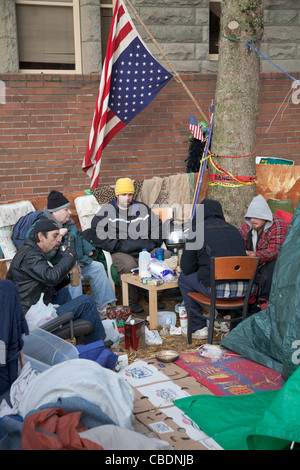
(170, 342)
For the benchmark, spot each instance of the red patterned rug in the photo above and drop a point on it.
(233, 375)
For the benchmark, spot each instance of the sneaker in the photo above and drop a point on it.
(102, 313)
(136, 307)
(199, 334)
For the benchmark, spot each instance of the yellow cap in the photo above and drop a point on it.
(124, 186)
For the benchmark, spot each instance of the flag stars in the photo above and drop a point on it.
(143, 77)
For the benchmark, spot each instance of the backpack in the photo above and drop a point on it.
(22, 226)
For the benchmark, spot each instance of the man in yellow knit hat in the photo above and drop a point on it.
(124, 227)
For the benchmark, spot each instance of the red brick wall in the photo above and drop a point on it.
(46, 120)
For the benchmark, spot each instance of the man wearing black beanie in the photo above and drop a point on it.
(34, 274)
(58, 210)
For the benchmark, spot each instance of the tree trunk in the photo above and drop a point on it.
(236, 105)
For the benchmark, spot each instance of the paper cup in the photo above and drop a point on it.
(182, 317)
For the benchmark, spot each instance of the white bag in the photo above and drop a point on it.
(39, 313)
(159, 269)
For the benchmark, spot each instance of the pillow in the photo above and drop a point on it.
(284, 215)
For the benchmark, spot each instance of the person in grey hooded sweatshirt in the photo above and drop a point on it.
(263, 233)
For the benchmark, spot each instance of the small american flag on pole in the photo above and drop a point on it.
(195, 128)
(130, 80)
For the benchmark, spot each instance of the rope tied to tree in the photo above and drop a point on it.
(226, 178)
(248, 43)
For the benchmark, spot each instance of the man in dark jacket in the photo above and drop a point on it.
(58, 209)
(35, 275)
(220, 239)
(124, 227)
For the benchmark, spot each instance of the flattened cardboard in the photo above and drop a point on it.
(156, 420)
(177, 437)
(188, 384)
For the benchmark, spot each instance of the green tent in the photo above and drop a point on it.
(267, 420)
(272, 337)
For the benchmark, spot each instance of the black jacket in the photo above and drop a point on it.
(220, 239)
(126, 231)
(31, 271)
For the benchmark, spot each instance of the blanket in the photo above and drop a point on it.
(232, 375)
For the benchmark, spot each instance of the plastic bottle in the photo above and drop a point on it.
(160, 254)
(74, 276)
(74, 273)
(144, 259)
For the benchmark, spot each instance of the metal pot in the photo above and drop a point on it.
(176, 238)
(176, 235)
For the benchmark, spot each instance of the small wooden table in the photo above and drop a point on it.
(135, 280)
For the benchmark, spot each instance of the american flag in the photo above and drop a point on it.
(195, 128)
(130, 80)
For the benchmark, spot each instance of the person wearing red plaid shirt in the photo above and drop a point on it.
(263, 233)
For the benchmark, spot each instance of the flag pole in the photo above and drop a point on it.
(200, 175)
(167, 60)
(203, 162)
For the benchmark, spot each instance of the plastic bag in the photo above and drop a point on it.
(215, 353)
(39, 313)
(111, 330)
(159, 269)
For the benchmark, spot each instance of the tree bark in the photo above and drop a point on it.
(236, 105)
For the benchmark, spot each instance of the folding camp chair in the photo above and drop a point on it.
(64, 326)
(224, 270)
(87, 207)
(9, 215)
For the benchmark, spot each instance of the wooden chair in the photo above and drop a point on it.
(164, 213)
(223, 270)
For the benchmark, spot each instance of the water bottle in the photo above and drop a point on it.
(144, 259)
(160, 254)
